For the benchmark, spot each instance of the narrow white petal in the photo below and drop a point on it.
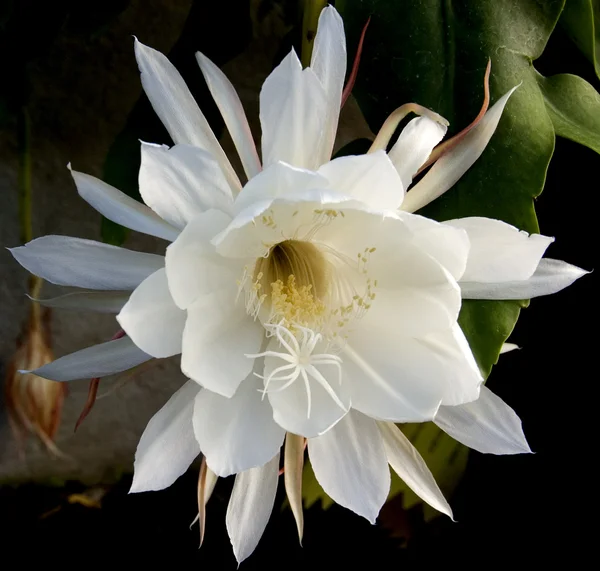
(151, 318)
(508, 347)
(177, 109)
(406, 461)
(499, 252)
(97, 301)
(328, 61)
(237, 433)
(168, 446)
(550, 277)
(350, 464)
(193, 266)
(217, 336)
(250, 507)
(181, 182)
(122, 209)
(448, 170)
(67, 261)
(95, 361)
(231, 109)
(370, 178)
(487, 425)
(293, 111)
(294, 467)
(210, 483)
(414, 145)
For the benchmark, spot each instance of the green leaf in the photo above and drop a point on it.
(581, 20)
(434, 52)
(574, 107)
(475, 319)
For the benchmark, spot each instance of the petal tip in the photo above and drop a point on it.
(201, 59)
(372, 519)
(135, 488)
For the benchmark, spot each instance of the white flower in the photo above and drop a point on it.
(309, 301)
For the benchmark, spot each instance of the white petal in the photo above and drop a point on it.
(236, 433)
(151, 318)
(350, 464)
(406, 461)
(98, 301)
(369, 178)
(462, 376)
(250, 507)
(550, 277)
(414, 145)
(500, 252)
(193, 266)
(95, 361)
(387, 380)
(231, 109)
(414, 294)
(328, 61)
(278, 180)
(290, 406)
(63, 260)
(448, 245)
(217, 336)
(177, 109)
(413, 290)
(487, 425)
(122, 209)
(405, 380)
(447, 170)
(293, 112)
(181, 182)
(168, 446)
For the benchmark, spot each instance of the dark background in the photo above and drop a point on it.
(520, 510)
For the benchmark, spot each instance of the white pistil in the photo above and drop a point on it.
(300, 362)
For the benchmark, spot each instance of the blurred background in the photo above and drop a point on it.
(70, 93)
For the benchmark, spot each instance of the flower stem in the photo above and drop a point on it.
(312, 10)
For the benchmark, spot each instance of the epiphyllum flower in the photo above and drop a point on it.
(309, 301)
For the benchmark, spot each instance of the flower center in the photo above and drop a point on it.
(291, 282)
(304, 284)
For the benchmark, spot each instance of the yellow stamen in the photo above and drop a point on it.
(293, 305)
